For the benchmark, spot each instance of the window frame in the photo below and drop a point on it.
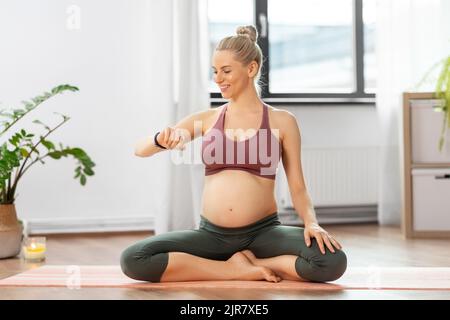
(358, 97)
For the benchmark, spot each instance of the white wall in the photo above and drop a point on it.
(333, 126)
(122, 98)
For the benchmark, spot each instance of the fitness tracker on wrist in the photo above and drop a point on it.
(156, 141)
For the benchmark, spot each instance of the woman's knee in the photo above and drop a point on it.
(335, 266)
(323, 267)
(144, 266)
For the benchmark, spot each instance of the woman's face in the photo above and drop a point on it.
(230, 75)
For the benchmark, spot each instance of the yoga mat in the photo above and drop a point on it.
(384, 278)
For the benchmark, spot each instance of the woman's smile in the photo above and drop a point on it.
(224, 88)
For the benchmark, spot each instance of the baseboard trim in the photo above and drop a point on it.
(88, 225)
(330, 215)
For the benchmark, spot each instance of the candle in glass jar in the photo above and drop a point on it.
(34, 249)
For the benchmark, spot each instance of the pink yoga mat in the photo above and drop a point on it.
(398, 278)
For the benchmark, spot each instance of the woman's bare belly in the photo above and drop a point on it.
(235, 198)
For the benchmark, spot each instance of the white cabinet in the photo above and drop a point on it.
(426, 170)
(431, 199)
(426, 125)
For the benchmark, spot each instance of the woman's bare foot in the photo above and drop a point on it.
(245, 270)
(250, 256)
(278, 267)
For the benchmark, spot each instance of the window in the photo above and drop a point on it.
(369, 15)
(310, 46)
(315, 50)
(224, 17)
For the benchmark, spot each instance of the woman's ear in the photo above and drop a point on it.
(252, 69)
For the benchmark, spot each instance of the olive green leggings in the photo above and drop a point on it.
(147, 259)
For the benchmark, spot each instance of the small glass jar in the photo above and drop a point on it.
(33, 249)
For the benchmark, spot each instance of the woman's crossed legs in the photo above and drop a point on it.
(265, 250)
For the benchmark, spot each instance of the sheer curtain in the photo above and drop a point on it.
(190, 60)
(412, 35)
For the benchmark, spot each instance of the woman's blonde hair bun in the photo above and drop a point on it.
(249, 31)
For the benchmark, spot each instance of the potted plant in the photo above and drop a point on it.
(442, 91)
(23, 154)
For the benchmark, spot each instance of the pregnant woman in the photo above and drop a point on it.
(240, 236)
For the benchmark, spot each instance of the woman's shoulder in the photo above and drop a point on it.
(280, 116)
(206, 114)
(212, 112)
(281, 119)
(210, 116)
(277, 111)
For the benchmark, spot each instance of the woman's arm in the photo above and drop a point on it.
(189, 128)
(300, 197)
(291, 144)
(146, 147)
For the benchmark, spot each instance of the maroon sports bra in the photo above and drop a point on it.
(259, 155)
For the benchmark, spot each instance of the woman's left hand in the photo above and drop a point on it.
(315, 231)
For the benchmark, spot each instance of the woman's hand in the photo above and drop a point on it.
(315, 231)
(172, 138)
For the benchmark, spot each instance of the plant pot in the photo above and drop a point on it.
(11, 232)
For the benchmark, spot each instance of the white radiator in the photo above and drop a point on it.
(343, 181)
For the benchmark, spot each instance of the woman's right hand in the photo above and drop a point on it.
(172, 138)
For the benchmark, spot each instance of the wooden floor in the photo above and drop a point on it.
(365, 245)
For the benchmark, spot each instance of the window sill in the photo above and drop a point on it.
(369, 101)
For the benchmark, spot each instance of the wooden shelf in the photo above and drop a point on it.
(406, 183)
(429, 165)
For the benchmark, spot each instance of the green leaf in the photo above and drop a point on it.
(37, 99)
(39, 122)
(28, 105)
(24, 152)
(64, 116)
(18, 112)
(83, 180)
(77, 152)
(62, 88)
(55, 155)
(48, 144)
(88, 171)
